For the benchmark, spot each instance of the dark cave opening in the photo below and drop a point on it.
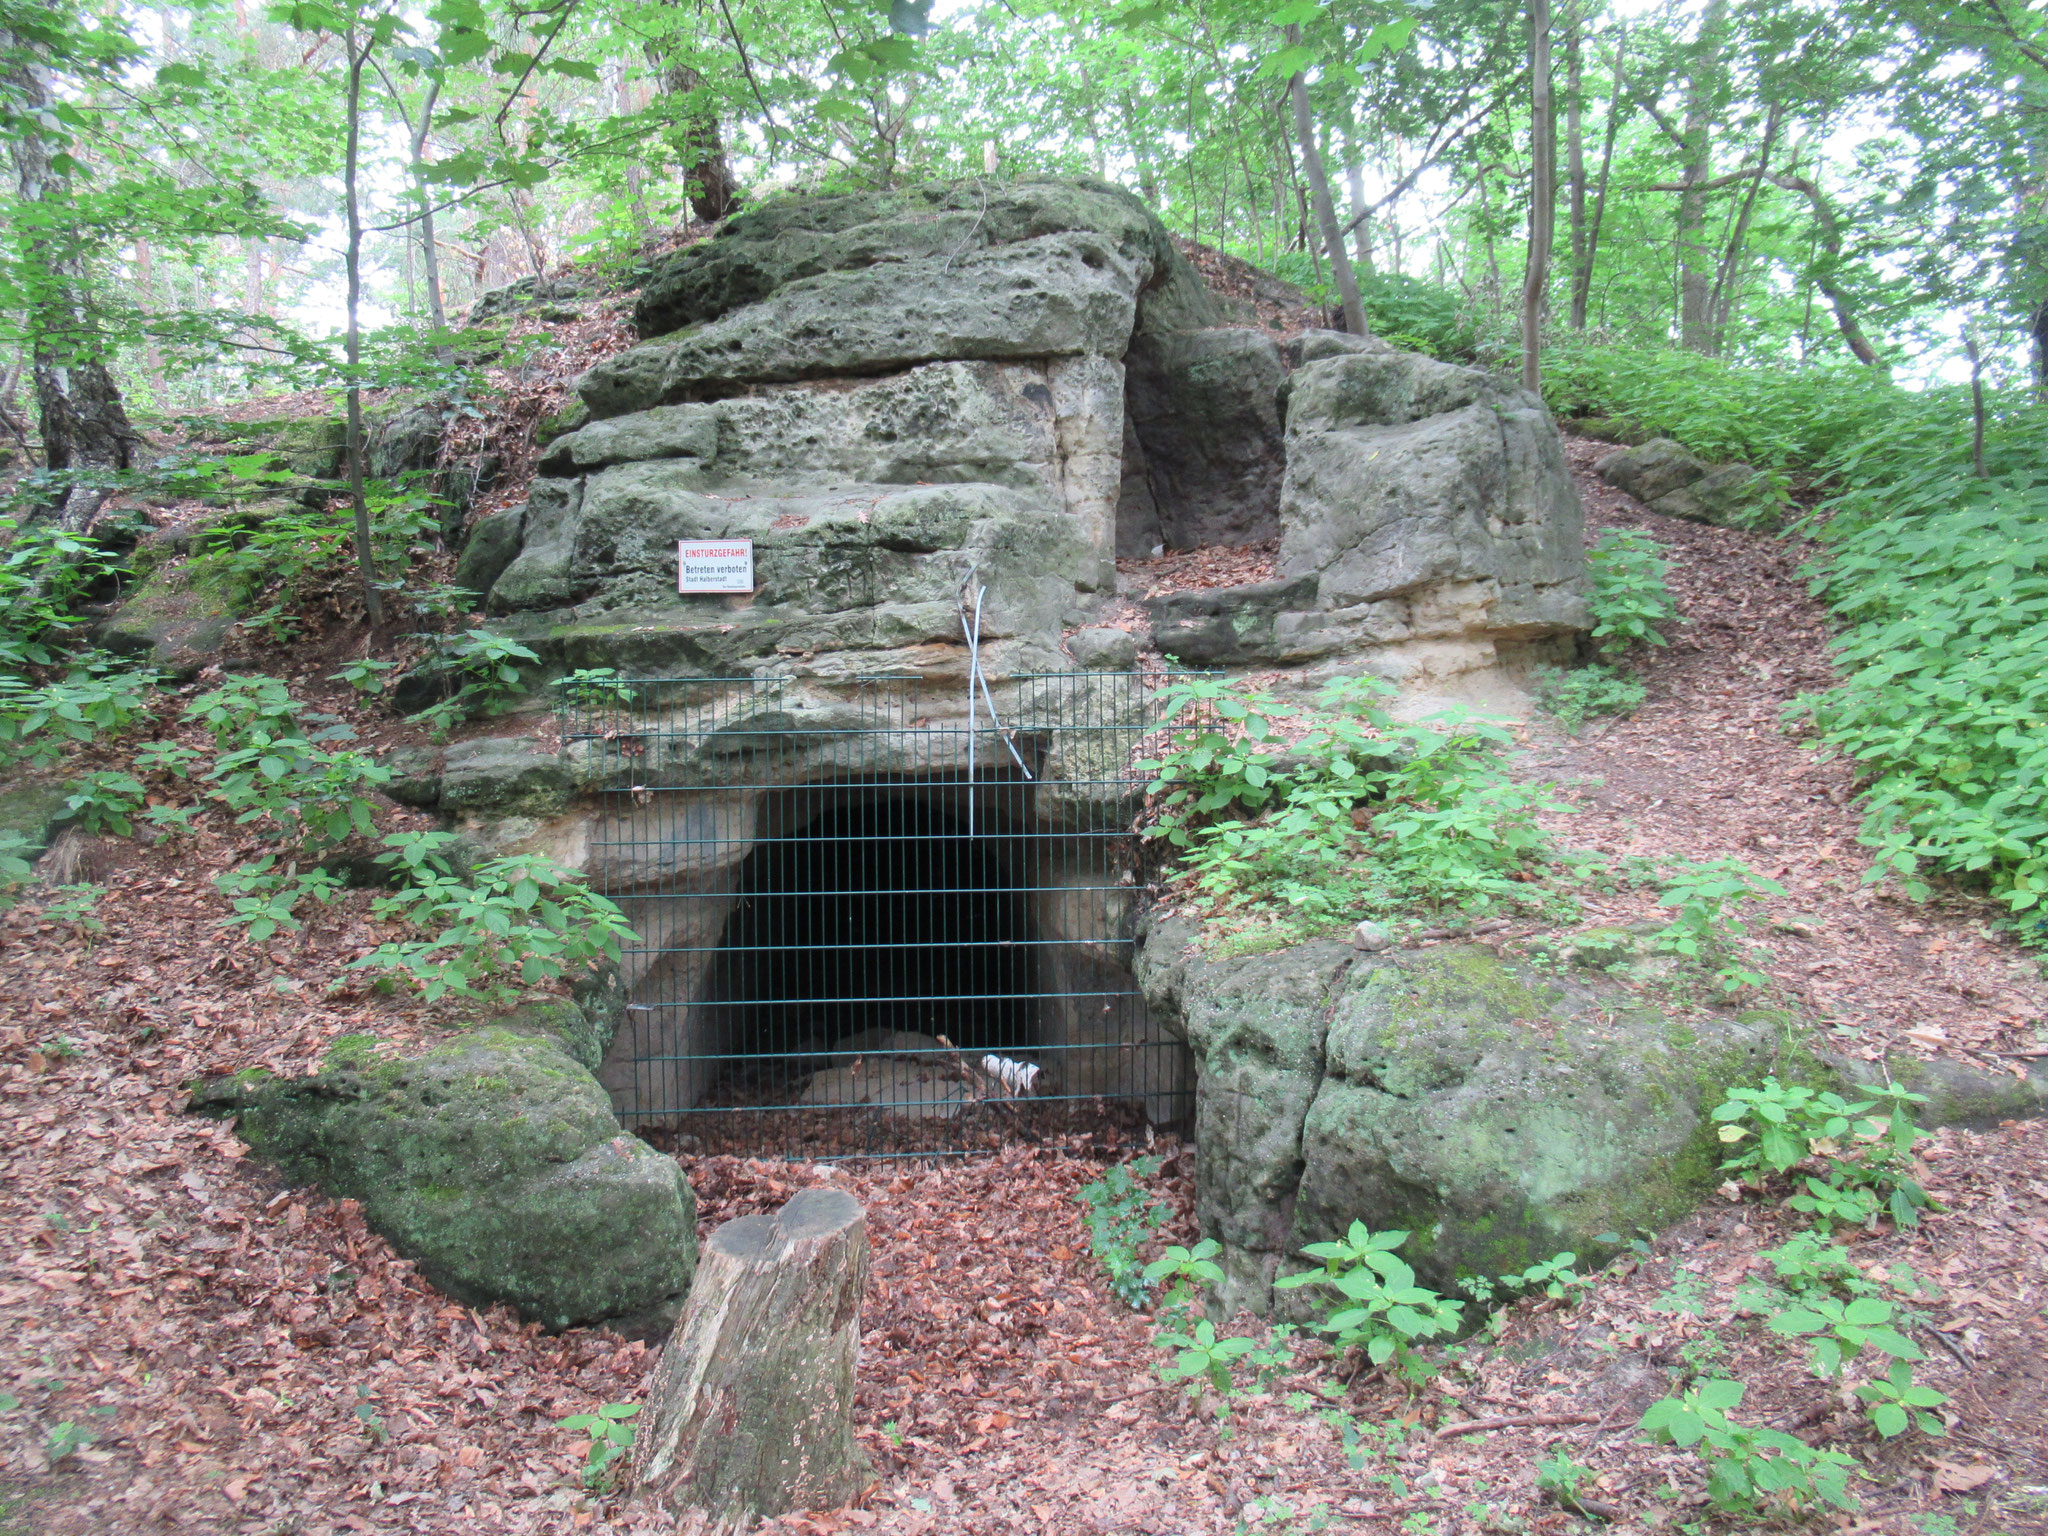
(874, 915)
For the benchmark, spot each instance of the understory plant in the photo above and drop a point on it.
(97, 695)
(523, 917)
(1380, 1309)
(1749, 1468)
(611, 1436)
(481, 668)
(1122, 1215)
(1866, 1159)
(1709, 925)
(1315, 816)
(1628, 598)
(1587, 693)
(1941, 579)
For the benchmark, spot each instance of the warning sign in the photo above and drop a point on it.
(725, 565)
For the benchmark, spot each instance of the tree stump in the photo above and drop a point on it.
(751, 1409)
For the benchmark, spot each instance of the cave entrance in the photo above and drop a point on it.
(868, 929)
(870, 938)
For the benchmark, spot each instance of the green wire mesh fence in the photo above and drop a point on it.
(871, 924)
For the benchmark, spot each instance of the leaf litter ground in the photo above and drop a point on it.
(249, 1358)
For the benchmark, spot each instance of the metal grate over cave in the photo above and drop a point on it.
(872, 924)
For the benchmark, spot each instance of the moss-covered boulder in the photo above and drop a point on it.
(30, 812)
(1500, 1112)
(177, 618)
(492, 1159)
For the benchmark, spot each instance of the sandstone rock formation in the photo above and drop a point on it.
(1501, 1113)
(1668, 478)
(890, 394)
(1427, 521)
(495, 1162)
(885, 391)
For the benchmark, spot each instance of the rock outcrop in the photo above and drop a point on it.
(494, 1160)
(886, 391)
(1499, 1112)
(1427, 521)
(1668, 478)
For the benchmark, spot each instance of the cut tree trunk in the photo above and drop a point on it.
(751, 1410)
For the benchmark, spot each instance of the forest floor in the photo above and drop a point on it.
(192, 1346)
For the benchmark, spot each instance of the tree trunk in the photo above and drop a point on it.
(1148, 184)
(1361, 232)
(145, 289)
(623, 104)
(707, 176)
(1575, 150)
(1828, 236)
(84, 426)
(430, 253)
(1542, 195)
(1695, 261)
(751, 1410)
(366, 559)
(1727, 277)
(1582, 284)
(1319, 195)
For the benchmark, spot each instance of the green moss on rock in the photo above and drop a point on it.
(177, 618)
(492, 1159)
(30, 811)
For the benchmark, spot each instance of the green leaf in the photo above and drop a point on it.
(1796, 1320)
(1720, 1394)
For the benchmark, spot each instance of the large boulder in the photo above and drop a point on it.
(1426, 516)
(177, 619)
(493, 1159)
(1727, 496)
(794, 239)
(1652, 469)
(1499, 1112)
(868, 503)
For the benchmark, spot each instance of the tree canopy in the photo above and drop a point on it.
(1828, 181)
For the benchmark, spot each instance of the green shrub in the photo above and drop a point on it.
(97, 696)
(1629, 598)
(1382, 1310)
(262, 566)
(482, 668)
(1122, 1215)
(1748, 1468)
(266, 899)
(1709, 925)
(1408, 312)
(1357, 813)
(44, 572)
(17, 865)
(247, 707)
(1800, 419)
(1578, 696)
(1869, 1158)
(105, 802)
(522, 918)
(1944, 702)
(611, 1437)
